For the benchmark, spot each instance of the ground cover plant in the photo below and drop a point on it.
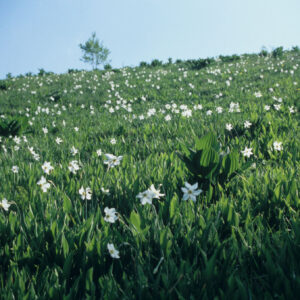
(163, 181)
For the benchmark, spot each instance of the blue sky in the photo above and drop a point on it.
(45, 34)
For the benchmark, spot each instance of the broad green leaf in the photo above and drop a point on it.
(207, 141)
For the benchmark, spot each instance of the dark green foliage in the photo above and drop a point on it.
(143, 64)
(198, 64)
(211, 168)
(277, 52)
(3, 85)
(156, 63)
(107, 67)
(229, 58)
(13, 126)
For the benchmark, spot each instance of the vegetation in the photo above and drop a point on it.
(94, 52)
(164, 181)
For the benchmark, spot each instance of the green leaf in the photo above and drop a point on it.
(173, 206)
(135, 221)
(65, 245)
(67, 205)
(207, 141)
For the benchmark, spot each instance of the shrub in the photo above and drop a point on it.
(107, 67)
(156, 63)
(277, 52)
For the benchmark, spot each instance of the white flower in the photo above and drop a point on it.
(105, 191)
(110, 215)
(43, 184)
(45, 130)
(58, 140)
(76, 129)
(114, 253)
(277, 146)
(229, 127)
(47, 168)
(4, 204)
(99, 152)
(187, 113)
(267, 107)
(73, 166)
(257, 94)
(15, 169)
(168, 117)
(209, 112)
(190, 191)
(113, 141)
(247, 124)
(146, 197)
(74, 151)
(277, 106)
(247, 152)
(112, 160)
(219, 109)
(155, 192)
(85, 193)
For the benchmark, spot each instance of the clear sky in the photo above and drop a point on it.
(45, 34)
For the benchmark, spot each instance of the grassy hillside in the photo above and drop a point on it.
(164, 181)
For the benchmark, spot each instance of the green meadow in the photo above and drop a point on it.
(175, 180)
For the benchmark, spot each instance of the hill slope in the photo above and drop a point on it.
(219, 140)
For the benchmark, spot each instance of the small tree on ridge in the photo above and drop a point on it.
(94, 52)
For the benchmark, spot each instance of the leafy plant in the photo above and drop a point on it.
(13, 127)
(212, 169)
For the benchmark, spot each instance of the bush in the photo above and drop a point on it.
(198, 64)
(156, 63)
(277, 52)
(107, 67)
(3, 85)
(143, 64)
(263, 53)
(229, 58)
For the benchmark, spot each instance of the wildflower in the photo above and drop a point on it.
(85, 193)
(15, 169)
(229, 127)
(110, 215)
(190, 191)
(43, 184)
(4, 204)
(267, 107)
(168, 117)
(73, 166)
(247, 124)
(247, 152)
(114, 253)
(277, 106)
(76, 129)
(113, 141)
(146, 197)
(45, 130)
(99, 152)
(257, 94)
(58, 140)
(277, 146)
(155, 192)
(112, 160)
(219, 109)
(74, 151)
(47, 168)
